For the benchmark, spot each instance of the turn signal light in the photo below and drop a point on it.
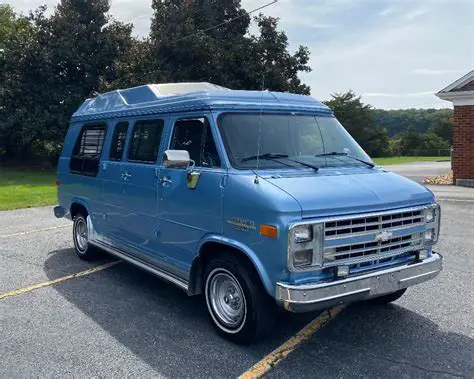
(268, 231)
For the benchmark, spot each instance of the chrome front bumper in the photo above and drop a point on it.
(309, 297)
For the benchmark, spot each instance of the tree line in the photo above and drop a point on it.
(51, 61)
(394, 132)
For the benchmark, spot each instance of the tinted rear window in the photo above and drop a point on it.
(145, 141)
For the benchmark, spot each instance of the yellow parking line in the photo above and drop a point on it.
(58, 280)
(35, 231)
(262, 367)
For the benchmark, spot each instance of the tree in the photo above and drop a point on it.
(398, 120)
(272, 58)
(357, 119)
(66, 58)
(411, 142)
(16, 37)
(186, 45)
(443, 127)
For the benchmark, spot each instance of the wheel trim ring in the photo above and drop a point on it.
(81, 235)
(219, 322)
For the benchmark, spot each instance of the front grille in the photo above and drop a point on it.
(362, 225)
(377, 250)
(371, 239)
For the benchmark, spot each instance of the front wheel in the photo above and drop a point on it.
(237, 303)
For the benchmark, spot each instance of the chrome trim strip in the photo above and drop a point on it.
(372, 257)
(313, 296)
(336, 228)
(374, 231)
(361, 215)
(154, 270)
(416, 239)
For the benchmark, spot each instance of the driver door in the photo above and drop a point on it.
(186, 214)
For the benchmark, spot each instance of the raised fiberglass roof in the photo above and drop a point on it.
(175, 97)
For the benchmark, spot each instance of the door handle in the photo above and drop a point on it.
(126, 175)
(166, 180)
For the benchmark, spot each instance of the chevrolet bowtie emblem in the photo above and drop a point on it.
(383, 236)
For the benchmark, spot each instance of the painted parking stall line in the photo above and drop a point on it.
(35, 231)
(58, 280)
(266, 364)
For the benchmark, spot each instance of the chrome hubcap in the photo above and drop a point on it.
(81, 234)
(227, 299)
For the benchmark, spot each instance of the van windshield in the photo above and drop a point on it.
(288, 141)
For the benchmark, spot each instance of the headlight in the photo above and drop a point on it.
(302, 234)
(432, 221)
(305, 247)
(302, 258)
(430, 214)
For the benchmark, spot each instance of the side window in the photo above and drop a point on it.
(118, 141)
(145, 141)
(195, 136)
(86, 153)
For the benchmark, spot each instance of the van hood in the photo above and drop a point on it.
(323, 195)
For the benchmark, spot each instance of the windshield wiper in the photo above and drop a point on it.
(371, 165)
(269, 156)
(276, 156)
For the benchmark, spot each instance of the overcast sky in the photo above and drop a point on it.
(395, 53)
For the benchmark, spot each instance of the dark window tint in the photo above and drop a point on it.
(86, 154)
(145, 141)
(118, 141)
(195, 136)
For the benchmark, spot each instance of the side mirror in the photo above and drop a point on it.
(176, 159)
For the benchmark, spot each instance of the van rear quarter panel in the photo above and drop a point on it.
(74, 188)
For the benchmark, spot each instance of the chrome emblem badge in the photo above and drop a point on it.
(383, 236)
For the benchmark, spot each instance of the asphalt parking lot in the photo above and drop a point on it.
(120, 321)
(418, 171)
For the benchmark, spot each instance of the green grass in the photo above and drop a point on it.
(25, 188)
(399, 160)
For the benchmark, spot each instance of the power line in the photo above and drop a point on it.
(225, 22)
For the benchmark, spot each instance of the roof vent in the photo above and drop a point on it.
(168, 89)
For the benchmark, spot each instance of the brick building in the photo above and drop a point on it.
(461, 94)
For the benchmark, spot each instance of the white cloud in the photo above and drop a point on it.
(386, 11)
(415, 13)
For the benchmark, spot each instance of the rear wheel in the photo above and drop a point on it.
(238, 305)
(386, 299)
(80, 236)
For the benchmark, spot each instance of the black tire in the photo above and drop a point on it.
(386, 299)
(84, 249)
(259, 308)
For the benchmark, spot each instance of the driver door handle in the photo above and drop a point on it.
(126, 175)
(166, 180)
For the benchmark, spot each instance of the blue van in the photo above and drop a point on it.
(249, 198)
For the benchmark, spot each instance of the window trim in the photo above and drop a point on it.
(130, 140)
(198, 117)
(84, 126)
(121, 159)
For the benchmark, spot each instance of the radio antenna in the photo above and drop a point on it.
(260, 124)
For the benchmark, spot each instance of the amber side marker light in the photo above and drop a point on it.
(268, 231)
